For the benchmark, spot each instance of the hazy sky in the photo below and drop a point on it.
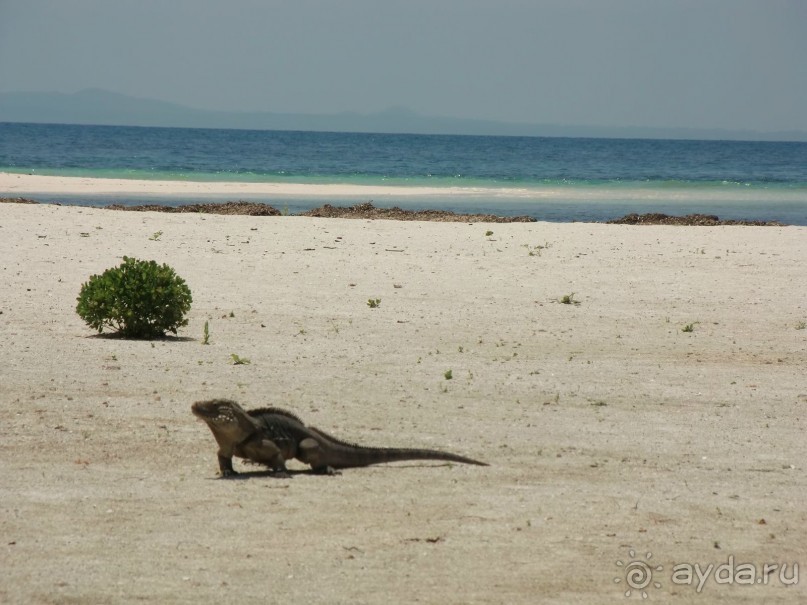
(737, 64)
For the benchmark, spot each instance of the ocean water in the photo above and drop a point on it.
(557, 179)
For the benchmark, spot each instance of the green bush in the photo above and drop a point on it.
(138, 299)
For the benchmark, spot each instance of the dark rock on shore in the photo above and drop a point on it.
(16, 200)
(368, 211)
(242, 208)
(700, 220)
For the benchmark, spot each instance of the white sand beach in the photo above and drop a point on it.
(613, 435)
(30, 184)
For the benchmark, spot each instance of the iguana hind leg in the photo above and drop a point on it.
(310, 452)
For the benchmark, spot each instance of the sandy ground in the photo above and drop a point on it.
(614, 437)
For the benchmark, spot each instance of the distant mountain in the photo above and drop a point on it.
(96, 106)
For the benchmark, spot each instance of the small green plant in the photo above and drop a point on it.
(239, 361)
(688, 328)
(156, 237)
(536, 250)
(801, 325)
(488, 233)
(373, 303)
(206, 334)
(448, 375)
(138, 299)
(568, 299)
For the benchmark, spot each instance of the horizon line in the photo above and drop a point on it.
(409, 122)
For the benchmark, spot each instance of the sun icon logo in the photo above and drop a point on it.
(638, 574)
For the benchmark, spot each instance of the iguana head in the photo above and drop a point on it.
(226, 419)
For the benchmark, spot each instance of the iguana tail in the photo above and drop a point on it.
(341, 454)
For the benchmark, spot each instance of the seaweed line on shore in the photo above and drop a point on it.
(367, 210)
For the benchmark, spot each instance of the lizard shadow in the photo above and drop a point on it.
(291, 473)
(268, 474)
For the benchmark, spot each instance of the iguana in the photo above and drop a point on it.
(271, 436)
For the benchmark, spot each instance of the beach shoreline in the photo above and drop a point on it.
(633, 389)
(13, 184)
(29, 184)
(550, 203)
(368, 211)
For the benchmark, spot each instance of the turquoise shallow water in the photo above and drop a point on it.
(549, 178)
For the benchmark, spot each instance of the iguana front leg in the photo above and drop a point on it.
(226, 464)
